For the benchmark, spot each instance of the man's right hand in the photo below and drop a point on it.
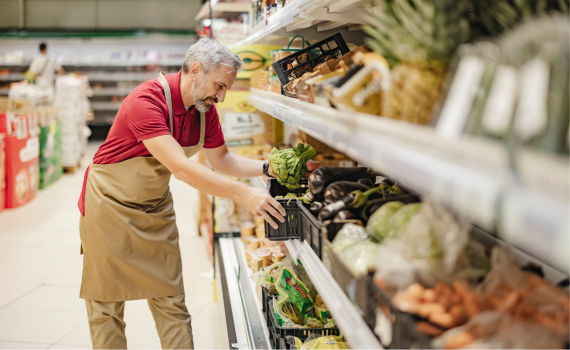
(259, 202)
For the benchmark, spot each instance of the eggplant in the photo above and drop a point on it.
(366, 182)
(316, 207)
(339, 189)
(326, 175)
(344, 215)
(354, 200)
(310, 196)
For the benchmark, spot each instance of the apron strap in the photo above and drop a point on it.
(202, 127)
(168, 96)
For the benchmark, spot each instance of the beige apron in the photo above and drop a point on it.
(129, 232)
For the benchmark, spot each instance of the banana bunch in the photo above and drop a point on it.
(417, 30)
(493, 17)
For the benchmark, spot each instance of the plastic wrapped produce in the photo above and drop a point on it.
(377, 226)
(349, 234)
(360, 257)
(326, 343)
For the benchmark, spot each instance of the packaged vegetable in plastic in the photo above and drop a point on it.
(321, 310)
(427, 251)
(497, 330)
(330, 342)
(265, 278)
(312, 322)
(348, 235)
(360, 257)
(293, 284)
(525, 295)
(286, 314)
(377, 226)
(400, 219)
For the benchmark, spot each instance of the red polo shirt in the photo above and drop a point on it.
(144, 115)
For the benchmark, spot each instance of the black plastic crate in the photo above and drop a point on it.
(301, 333)
(290, 229)
(303, 61)
(311, 230)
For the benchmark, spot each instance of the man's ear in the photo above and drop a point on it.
(195, 68)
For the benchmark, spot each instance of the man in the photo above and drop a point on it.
(43, 68)
(127, 224)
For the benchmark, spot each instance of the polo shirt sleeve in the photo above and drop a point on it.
(214, 136)
(145, 117)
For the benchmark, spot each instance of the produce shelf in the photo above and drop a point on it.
(221, 8)
(105, 106)
(470, 175)
(348, 319)
(112, 91)
(122, 76)
(11, 77)
(4, 92)
(314, 19)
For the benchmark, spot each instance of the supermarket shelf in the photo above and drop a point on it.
(251, 331)
(107, 63)
(106, 106)
(221, 8)
(122, 76)
(313, 19)
(112, 91)
(348, 319)
(4, 92)
(468, 174)
(11, 77)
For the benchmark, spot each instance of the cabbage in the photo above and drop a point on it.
(377, 226)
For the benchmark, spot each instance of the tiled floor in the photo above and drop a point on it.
(40, 274)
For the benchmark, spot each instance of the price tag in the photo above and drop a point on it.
(532, 109)
(501, 102)
(379, 179)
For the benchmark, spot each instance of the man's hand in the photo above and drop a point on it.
(260, 203)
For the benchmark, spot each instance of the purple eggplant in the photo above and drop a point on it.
(324, 176)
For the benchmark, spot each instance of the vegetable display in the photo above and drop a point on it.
(322, 177)
(290, 164)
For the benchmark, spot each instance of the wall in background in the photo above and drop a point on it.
(99, 14)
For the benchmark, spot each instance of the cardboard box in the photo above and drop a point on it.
(50, 154)
(2, 172)
(22, 158)
(244, 125)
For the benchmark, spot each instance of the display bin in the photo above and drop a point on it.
(312, 228)
(278, 334)
(305, 60)
(290, 229)
(368, 297)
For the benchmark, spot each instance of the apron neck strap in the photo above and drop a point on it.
(168, 96)
(202, 127)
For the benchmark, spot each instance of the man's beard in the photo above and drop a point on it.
(200, 99)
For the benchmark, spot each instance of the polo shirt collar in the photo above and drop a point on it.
(177, 104)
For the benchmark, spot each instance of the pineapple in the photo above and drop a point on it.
(418, 38)
(493, 17)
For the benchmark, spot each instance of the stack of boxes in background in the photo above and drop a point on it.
(50, 146)
(71, 99)
(19, 129)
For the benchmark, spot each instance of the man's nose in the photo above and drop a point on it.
(221, 95)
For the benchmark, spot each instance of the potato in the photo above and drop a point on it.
(459, 340)
(428, 329)
(429, 295)
(444, 320)
(416, 290)
(426, 309)
(459, 314)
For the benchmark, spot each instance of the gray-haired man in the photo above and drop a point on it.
(127, 223)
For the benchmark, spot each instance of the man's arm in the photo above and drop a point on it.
(169, 153)
(232, 164)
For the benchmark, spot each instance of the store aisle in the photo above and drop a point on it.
(40, 274)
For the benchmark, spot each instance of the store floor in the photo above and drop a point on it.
(40, 274)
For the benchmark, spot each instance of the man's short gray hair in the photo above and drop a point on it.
(211, 54)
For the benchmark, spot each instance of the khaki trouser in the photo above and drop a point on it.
(173, 323)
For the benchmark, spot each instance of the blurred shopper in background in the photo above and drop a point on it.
(43, 68)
